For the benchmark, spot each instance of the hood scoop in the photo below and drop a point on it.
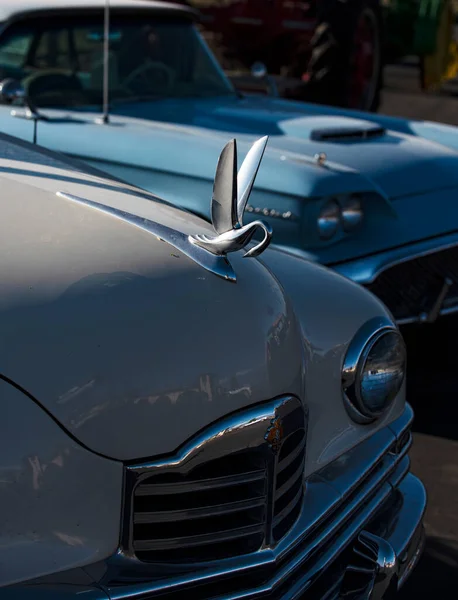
(347, 133)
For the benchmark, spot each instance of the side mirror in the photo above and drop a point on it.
(11, 90)
(259, 71)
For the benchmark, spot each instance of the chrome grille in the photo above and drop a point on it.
(217, 511)
(410, 288)
(289, 484)
(339, 501)
(235, 489)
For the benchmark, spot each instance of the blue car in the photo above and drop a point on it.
(373, 197)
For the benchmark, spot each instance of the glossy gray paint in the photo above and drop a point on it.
(348, 490)
(145, 341)
(151, 360)
(329, 317)
(50, 520)
(143, 336)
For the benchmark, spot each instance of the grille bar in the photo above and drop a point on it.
(288, 508)
(289, 485)
(285, 462)
(184, 487)
(198, 540)
(197, 513)
(299, 472)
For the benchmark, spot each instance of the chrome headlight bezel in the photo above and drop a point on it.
(339, 215)
(355, 362)
(329, 219)
(352, 213)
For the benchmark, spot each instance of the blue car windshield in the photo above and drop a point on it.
(60, 61)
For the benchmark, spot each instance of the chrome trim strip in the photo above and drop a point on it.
(402, 468)
(195, 513)
(217, 264)
(355, 351)
(334, 505)
(402, 423)
(366, 270)
(254, 422)
(231, 193)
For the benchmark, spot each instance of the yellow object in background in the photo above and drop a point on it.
(443, 64)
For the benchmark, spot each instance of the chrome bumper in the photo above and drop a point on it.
(360, 532)
(379, 563)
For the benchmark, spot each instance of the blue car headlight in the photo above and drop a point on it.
(329, 219)
(344, 213)
(374, 370)
(352, 213)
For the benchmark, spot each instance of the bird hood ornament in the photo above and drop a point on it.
(230, 196)
(231, 192)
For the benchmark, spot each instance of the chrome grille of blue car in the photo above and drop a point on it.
(409, 289)
(239, 489)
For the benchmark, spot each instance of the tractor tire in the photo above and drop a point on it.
(345, 67)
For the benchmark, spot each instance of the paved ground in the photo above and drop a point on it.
(432, 390)
(433, 381)
(402, 97)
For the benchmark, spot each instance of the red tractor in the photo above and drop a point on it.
(331, 49)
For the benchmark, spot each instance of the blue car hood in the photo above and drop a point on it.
(184, 137)
(393, 161)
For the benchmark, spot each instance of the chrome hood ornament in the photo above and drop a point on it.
(227, 210)
(231, 192)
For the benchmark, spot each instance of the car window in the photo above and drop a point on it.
(13, 53)
(52, 50)
(60, 61)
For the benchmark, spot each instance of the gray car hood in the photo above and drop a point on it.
(132, 347)
(110, 329)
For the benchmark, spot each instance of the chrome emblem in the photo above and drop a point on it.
(320, 159)
(274, 435)
(271, 212)
(231, 192)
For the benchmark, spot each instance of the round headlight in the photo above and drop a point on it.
(352, 213)
(373, 372)
(329, 220)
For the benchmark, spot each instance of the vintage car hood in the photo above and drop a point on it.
(111, 329)
(132, 347)
(395, 162)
